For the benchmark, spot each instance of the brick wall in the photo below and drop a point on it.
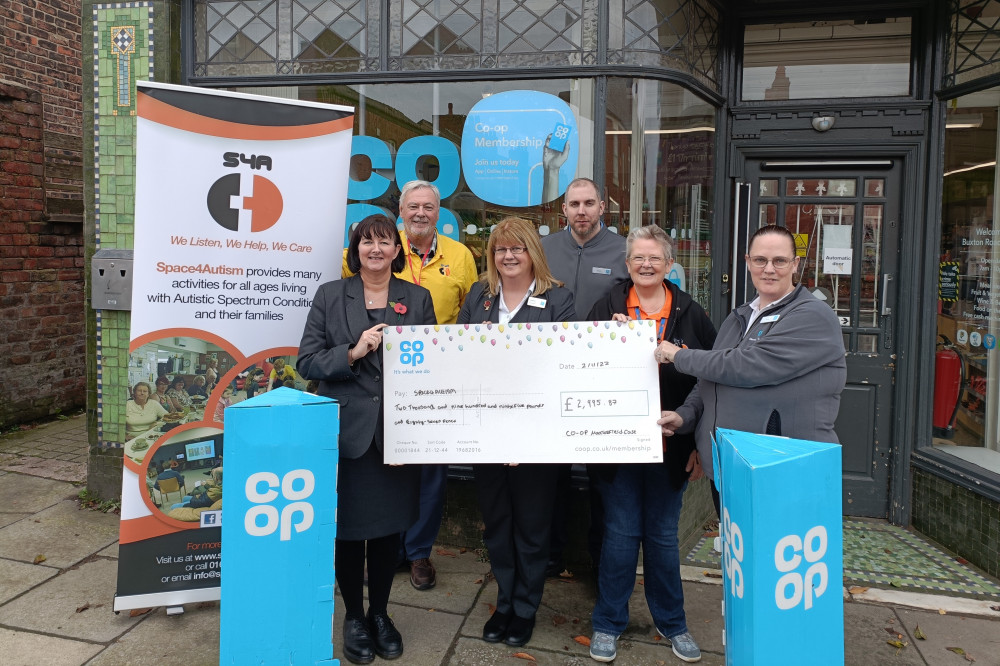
(40, 50)
(41, 275)
(42, 348)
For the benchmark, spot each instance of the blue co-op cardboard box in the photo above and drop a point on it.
(278, 529)
(782, 549)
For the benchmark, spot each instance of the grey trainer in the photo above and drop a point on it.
(684, 647)
(603, 647)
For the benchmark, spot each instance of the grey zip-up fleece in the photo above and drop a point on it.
(791, 361)
(588, 271)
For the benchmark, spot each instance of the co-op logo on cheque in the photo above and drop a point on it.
(241, 202)
(411, 352)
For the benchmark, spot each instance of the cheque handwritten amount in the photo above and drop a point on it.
(603, 403)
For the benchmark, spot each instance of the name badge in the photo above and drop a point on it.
(600, 271)
(536, 302)
(769, 319)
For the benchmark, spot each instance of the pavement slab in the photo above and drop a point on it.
(19, 577)
(63, 533)
(156, 639)
(459, 580)
(976, 637)
(76, 604)
(10, 518)
(866, 638)
(29, 494)
(49, 468)
(427, 635)
(26, 649)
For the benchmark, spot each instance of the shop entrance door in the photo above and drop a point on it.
(845, 217)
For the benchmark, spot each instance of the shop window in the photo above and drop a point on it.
(672, 34)
(465, 34)
(826, 59)
(973, 36)
(659, 142)
(254, 38)
(967, 363)
(417, 130)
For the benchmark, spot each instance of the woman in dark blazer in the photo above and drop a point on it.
(516, 500)
(342, 348)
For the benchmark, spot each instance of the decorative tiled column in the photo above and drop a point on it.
(124, 51)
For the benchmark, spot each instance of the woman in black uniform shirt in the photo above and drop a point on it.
(516, 500)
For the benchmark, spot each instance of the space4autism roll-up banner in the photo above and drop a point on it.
(240, 203)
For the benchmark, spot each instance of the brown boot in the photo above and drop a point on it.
(423, 576)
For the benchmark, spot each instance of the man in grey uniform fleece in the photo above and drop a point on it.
(589, 258)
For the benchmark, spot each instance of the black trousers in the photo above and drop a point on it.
(516, 503)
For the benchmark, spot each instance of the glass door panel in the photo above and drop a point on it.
(826, 267)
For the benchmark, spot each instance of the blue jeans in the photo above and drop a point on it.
(640, 507)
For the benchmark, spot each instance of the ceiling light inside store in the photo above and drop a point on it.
(964, 121)
(984, 165)
(682, 130)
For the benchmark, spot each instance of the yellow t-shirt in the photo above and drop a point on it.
(448, 275)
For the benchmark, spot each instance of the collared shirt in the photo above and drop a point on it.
(661, 317)
(505, 314)
(755, 309)
(430, 252)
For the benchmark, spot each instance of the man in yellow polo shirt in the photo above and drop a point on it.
(447, 269)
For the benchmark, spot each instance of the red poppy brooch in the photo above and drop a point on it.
(399, 309)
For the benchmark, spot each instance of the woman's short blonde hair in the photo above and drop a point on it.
(653, 233)
(515, 231)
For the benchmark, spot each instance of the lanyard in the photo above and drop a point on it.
(661, 328)
(423, 260)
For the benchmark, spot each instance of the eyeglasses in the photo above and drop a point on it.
(516, 250)
(778, 262)
(653, 261)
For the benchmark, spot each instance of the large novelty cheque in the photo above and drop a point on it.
(532, 393)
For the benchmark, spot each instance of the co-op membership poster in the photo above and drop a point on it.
(239, 216)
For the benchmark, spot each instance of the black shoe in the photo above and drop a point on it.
(388, 642)
(519, 631)
(554, 568)
(495, 629)
(358, 645)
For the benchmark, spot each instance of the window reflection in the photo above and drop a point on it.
(827, 59)
(659, 140)
(968, 320)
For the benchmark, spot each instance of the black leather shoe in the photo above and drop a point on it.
(495, 629)
(388, 642)
(519, 631)
(358, 645)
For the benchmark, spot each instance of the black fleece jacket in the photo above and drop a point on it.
(688, 325)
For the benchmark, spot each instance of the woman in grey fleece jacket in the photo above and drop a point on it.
(777, 365)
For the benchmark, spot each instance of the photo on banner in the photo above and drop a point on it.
(239, 217)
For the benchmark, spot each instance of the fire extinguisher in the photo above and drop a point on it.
(949, 379)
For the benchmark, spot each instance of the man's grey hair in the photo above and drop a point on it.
(416, 185)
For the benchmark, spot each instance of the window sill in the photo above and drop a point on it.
(975, 469)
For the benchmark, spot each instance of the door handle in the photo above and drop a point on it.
(886, 308)
(738, 214)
